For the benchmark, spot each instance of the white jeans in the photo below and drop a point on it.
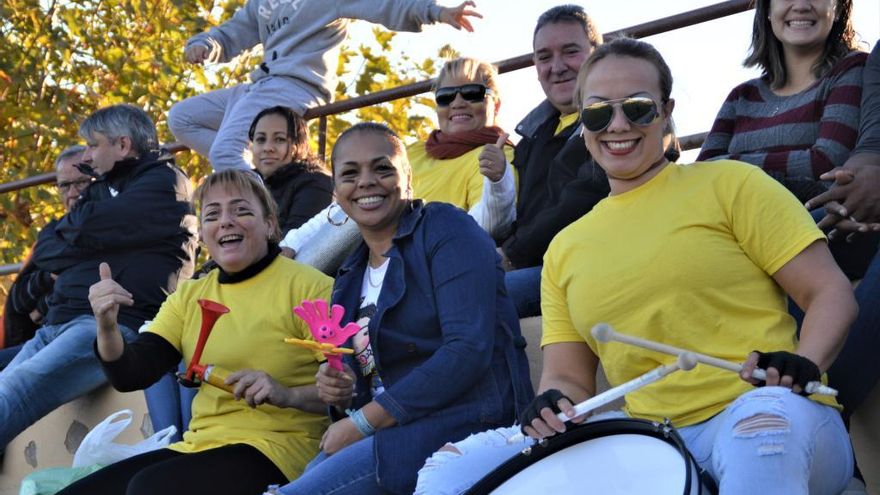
(215, 124)
(768, 440)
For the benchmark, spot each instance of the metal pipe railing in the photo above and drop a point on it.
(658, 26)
(10, 269)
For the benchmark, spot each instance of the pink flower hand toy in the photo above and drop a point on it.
(323, 322)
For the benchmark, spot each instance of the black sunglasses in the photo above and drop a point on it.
(639, 110)
(470, 92)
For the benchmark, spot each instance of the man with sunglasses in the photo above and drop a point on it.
(26, 303)
(557, 182)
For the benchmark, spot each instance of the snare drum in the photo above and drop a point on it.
(617, 456)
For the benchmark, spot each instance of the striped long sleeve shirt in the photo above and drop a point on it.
(795, 138)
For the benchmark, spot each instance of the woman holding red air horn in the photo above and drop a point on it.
(270, 426)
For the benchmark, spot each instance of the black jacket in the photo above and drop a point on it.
(558, 183)
(29, 292)
(139, 219)
(300, 190)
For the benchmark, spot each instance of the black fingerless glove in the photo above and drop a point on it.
(548, 399)
(800, 369)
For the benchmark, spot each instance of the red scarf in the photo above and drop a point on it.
(443, 146)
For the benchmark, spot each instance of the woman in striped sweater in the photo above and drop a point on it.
(799, 119)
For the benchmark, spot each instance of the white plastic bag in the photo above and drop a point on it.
(98, 446)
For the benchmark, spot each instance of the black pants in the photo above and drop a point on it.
(230, 470)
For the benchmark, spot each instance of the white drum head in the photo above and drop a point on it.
(617, 464)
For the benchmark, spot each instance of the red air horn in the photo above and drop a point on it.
(197, 373)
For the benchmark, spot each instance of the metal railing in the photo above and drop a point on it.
(658, 26)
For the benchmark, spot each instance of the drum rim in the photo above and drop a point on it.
(582, 432)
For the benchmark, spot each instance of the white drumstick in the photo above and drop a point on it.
(686, 361)
(604, 333)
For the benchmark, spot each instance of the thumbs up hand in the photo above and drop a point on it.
(492, 159)
(105, 297)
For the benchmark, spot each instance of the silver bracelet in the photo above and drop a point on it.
(361, 423)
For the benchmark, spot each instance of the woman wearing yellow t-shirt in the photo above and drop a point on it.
(462, 162)
(699, 257)
(270, 426)
(465, 162)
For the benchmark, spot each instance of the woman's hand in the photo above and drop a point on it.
(257, 387)
(335, 388)
(36, 316)
(196, 53)
(457, 17)
(105, 298)
(493, 163)
(341, 434)
(539, 420)
(784, 369)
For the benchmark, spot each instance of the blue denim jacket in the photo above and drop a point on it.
(445, 338)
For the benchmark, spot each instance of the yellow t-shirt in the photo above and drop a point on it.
(457, 180)
(250, 336)
(565, 121)
(687, 260)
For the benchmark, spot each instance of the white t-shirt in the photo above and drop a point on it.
(370, 289)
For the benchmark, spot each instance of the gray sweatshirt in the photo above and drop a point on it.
(301, 38)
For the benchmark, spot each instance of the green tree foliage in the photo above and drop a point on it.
(378, 66)
(61, 59)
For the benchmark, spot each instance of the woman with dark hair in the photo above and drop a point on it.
(686, 255)
(439, 354)
(799, 119)
(464, 162)
(297, 179)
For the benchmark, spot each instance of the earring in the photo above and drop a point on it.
(330, 217)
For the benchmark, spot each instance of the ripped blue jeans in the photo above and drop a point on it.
(768, 440)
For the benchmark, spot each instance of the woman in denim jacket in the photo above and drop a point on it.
(440, 354)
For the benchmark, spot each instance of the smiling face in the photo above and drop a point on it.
(234, 227)
(462, 115)
(630, 154)
(271, 147)
(102, 153)
(802, 25)
(371, 183)
(560, 50)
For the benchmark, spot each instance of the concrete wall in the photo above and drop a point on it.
(52, 441)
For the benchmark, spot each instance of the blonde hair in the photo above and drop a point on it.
(629, 47)
(241, 181)
(471, 69)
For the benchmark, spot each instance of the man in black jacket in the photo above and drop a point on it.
(558, 183)
(137, 216)
(26, 304)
